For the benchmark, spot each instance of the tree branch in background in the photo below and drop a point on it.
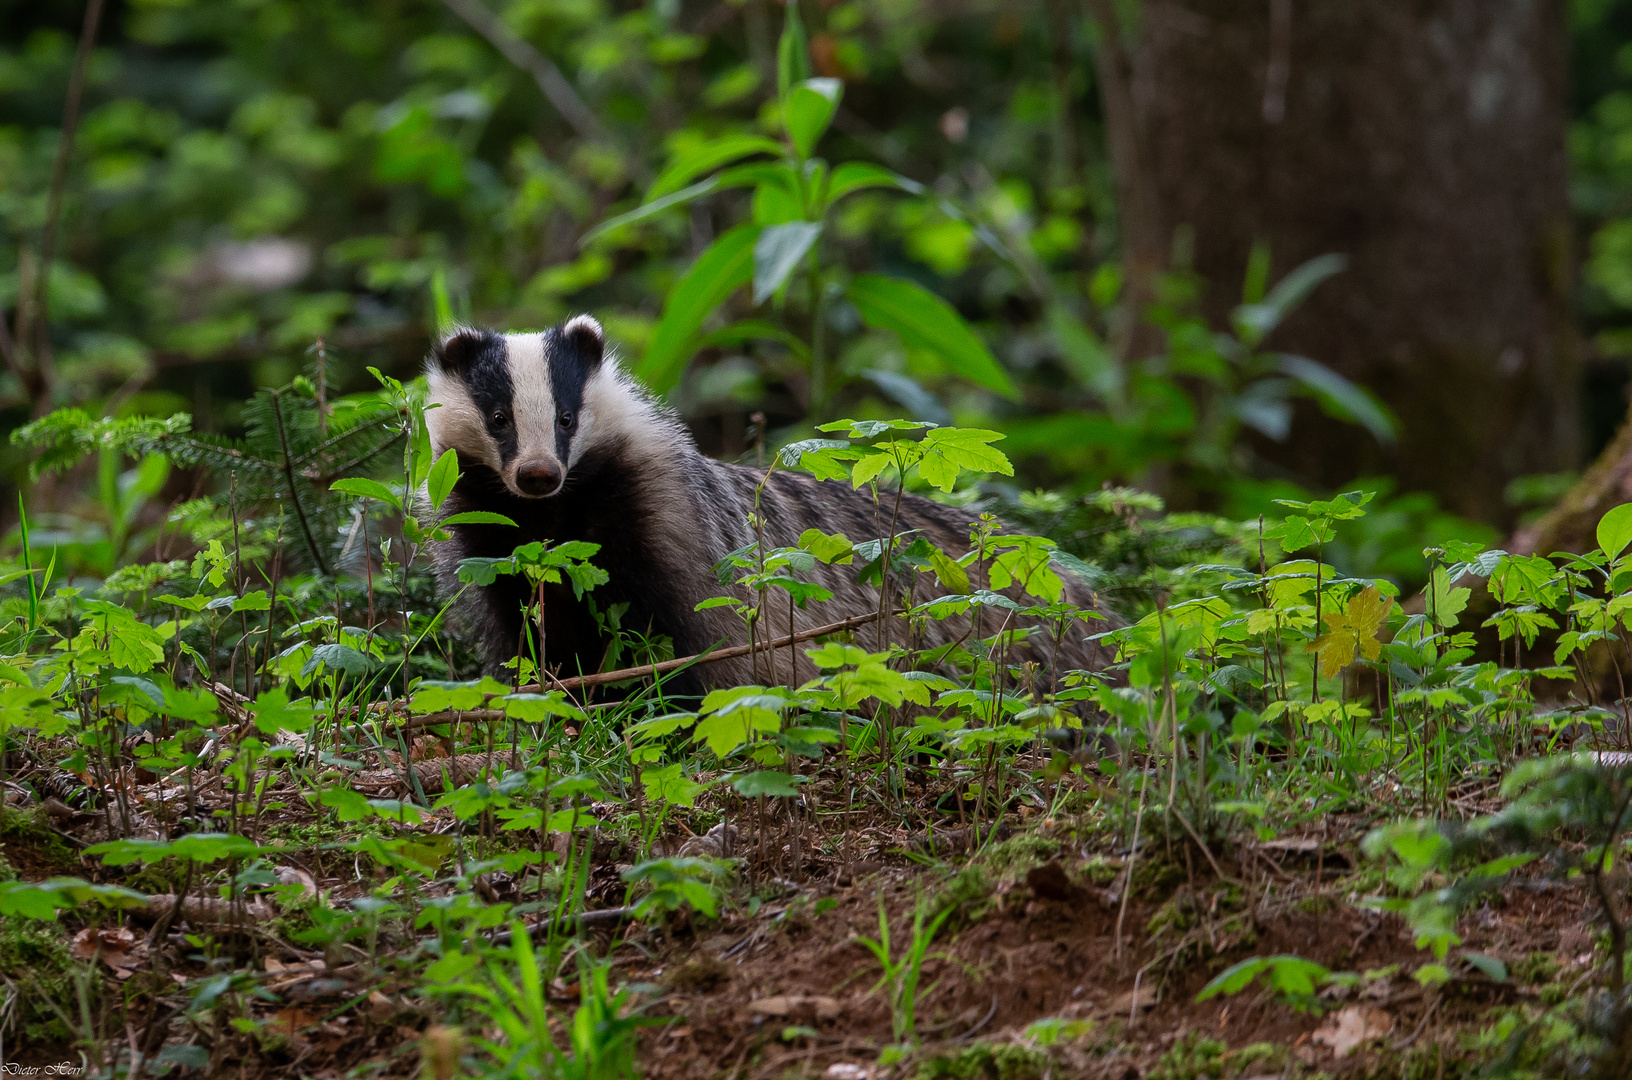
(1143, 250)
(38, 380)
(519, 52)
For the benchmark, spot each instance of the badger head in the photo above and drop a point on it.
(525, 405)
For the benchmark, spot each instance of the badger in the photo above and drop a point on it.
(555, 435)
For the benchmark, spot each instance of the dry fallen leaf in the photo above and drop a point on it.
(785, 1005)
(290, 1021)
(293, 875)
(114, 945)
(1352, 1026)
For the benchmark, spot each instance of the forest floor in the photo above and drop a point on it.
(1048, 963)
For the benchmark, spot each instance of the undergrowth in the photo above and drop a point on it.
(292, 799)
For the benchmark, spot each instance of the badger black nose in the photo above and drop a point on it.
(538, 478)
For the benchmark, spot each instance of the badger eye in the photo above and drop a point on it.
(500, 418)
(566, 421)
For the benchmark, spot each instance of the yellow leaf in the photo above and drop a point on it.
(1352, 630)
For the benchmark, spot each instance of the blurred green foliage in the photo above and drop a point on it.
(253, 177)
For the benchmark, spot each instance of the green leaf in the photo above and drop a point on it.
(792, 53)
(341, 659)
(723, 734)
(136, 646)
(776, 253)
(1615, 530)
(451, 967)
(1340, 397)
(1493, 968)
(23, 706)
(927, 323)
(485, 570)
(706, 158)
(948, 572)
(477, 517)
(670, 785)
(1235, 978)
(347, 804)
(718, 271)
(1444, 602)
(444, 474)
(809, 109)
(274, 712)
(1298, 532)
(652, 208)
(746, 330)
(365, 488)
(1253, 322)
(40, 900)
(766, 782)
(828, 547)
(533, 708)
(949, 451)
(199, 847)
(436, 695)
(859, 175)
(870, 468)
(196, 706)
(195, 604)
(1288, 974)
(252, 601)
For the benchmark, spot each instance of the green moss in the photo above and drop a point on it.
(1153, 875)
(1316, 905)
(1178, 913)
(1535, 969)
(987, 1061)
(1193, 1056)
(1273, 1056)
(1101, 871)
(31, 828)
(968, 894)
(40, 950)
(1013, 857)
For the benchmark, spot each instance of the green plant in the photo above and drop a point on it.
(600, 1033)
(793, 199)
(901, 972)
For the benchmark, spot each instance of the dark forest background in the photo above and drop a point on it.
(1110, 192)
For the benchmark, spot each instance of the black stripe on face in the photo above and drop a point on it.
(481, 360)
(572, 358)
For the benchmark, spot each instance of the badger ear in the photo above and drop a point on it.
(583, 341)
(460, 350)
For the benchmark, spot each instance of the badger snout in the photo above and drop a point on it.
(538, 479)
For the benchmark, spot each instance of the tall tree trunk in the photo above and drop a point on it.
(1425, 140)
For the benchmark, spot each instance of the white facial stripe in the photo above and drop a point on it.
(610, 411)
(457, 423)
(533, 404)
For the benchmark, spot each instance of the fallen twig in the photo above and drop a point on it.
(600, 917)
(602, 678)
